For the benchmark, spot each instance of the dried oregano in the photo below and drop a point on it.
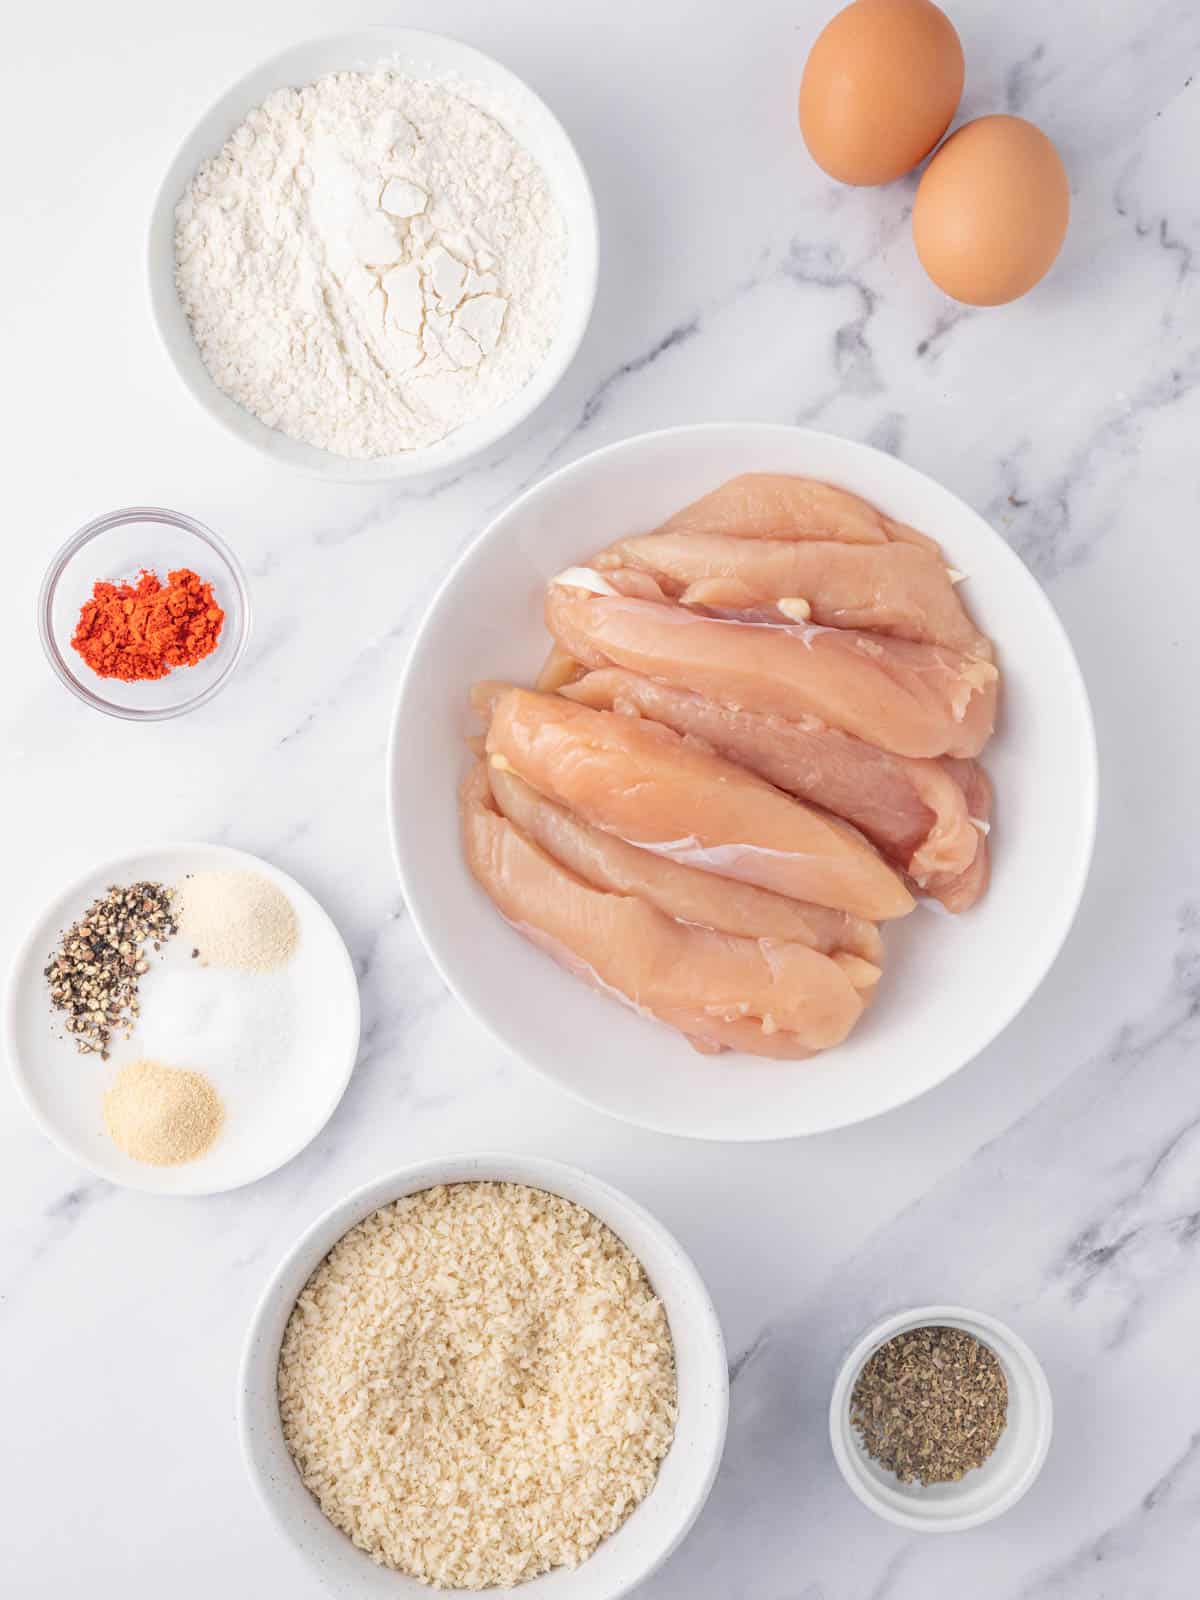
(930, 1404)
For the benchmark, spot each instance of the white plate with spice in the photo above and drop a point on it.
(258, 1033)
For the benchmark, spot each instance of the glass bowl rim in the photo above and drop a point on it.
(122, 517)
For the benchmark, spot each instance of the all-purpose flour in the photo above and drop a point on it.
(370, 262)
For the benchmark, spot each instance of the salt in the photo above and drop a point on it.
(238, 1028)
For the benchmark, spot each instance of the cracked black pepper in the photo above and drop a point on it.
(93, 974)
(931, 1404)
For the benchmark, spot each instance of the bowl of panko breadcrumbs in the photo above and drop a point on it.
(485, 1371)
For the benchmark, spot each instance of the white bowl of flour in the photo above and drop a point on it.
(374, 256)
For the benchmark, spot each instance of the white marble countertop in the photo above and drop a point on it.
(1054, 1182)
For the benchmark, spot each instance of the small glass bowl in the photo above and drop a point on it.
(116, 548)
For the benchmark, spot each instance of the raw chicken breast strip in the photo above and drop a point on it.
(895, 589)
(774, 505)
(781, 998)
(557, 671)
(960, 891)
(648, 786)
(559, 668)
(911, 699)
(918, 813)
(685, 893)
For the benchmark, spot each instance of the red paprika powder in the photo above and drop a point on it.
(144, 630)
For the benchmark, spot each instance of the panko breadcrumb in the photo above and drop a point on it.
(478, 1384)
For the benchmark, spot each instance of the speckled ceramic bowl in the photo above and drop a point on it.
(645, 1539)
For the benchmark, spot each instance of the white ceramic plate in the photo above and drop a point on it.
(279, 1086)
(427, 55)
(645, 1539)
(950, 985)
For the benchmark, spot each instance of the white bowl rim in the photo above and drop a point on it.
(447, 455)
(78, 886)
(480, 1167)
(989, 1330)
(1088, 796)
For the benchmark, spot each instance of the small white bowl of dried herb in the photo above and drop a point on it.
(940, 1419)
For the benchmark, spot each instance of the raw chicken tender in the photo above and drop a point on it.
(558, 670)
(961, 890)
(777, 998)
(753, 736)
(919, 813)
(897, 589)
(672, 796)
(685, 893)
(911, 699)
(775, 505)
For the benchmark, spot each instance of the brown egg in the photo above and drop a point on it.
(879, 89)
(991, 212)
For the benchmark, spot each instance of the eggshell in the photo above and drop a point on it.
(880, 87)
(991, 212)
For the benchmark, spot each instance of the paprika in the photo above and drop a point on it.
(144, 630)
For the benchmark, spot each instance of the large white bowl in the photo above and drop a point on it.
(427, 55)
(659, 1524)
(951, 984)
